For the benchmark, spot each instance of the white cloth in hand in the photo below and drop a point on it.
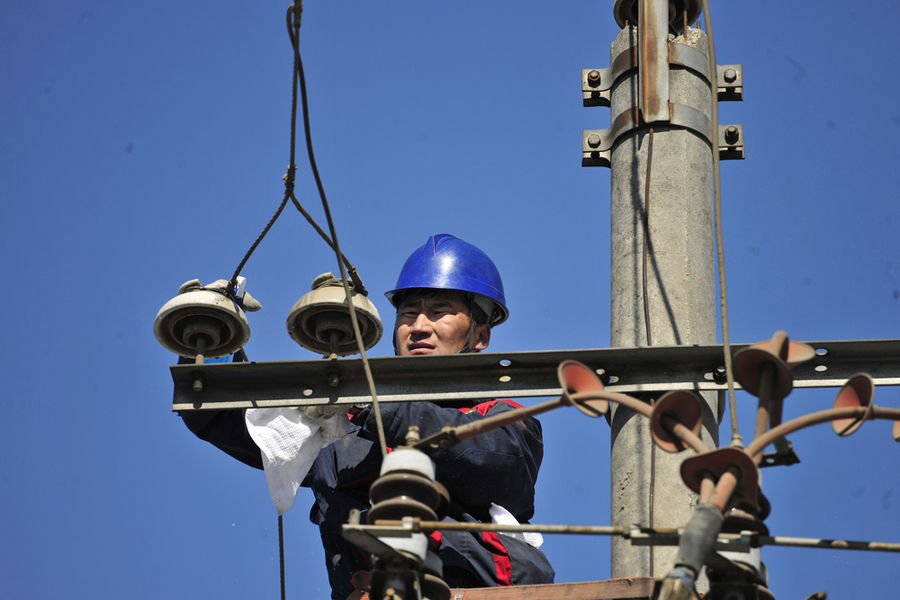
(289, 440)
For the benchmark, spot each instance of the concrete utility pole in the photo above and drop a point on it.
(659, 147)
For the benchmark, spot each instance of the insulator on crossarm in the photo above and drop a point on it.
(858, 392)
(201, 321)
(320, 320)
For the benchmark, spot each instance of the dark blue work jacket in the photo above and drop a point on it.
(499, 467)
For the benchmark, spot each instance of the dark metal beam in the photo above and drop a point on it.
(505, 375)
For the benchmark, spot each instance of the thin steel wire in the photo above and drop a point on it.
(736, 439)
(293, 19)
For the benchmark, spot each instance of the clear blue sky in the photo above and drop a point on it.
(143, 145)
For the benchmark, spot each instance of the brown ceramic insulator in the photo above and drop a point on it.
(798, 353)
(748, 370)
(682, 407)
(857, 392)
(574, 378)
(781, 352)
(716, 462)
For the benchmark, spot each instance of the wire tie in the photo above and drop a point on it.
(289, 178)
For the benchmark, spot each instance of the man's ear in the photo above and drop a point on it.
(481, 337)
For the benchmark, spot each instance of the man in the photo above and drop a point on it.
(448, 297)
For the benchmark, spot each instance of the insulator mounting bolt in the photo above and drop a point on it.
(593, 140)
(593, 78)
(732, 135)
(730, 75)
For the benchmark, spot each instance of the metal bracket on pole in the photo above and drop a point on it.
(596, 82)
(596, 143)
(730, 83)
(731, 142)
(654, 104)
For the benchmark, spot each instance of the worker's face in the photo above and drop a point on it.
(437, 322)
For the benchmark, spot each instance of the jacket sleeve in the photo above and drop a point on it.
(351, 463)
(500, 466)
(226, 430)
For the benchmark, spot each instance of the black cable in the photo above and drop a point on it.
(293, 19)
(256, 243)
(288, 184)
(281, 552)
(294, 14)
(293, 22)
(354, 276)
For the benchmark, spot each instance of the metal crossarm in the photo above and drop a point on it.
(503, 374)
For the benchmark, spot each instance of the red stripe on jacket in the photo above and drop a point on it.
(502, 562)
(484, 407)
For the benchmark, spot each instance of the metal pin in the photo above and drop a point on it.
(199, 360)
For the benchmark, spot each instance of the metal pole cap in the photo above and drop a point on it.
(626, 11)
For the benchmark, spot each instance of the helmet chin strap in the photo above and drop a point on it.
(467, 347)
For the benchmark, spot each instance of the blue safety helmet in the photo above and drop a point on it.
(446, 262)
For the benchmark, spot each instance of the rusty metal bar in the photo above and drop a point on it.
(508, 375)
(414, 525)
(685, 435)
(653, 59)
(660, 536)
(828, 544)
(725, 489)
(450, 436)
(755, 449)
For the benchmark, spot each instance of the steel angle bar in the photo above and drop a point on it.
(507, 375)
